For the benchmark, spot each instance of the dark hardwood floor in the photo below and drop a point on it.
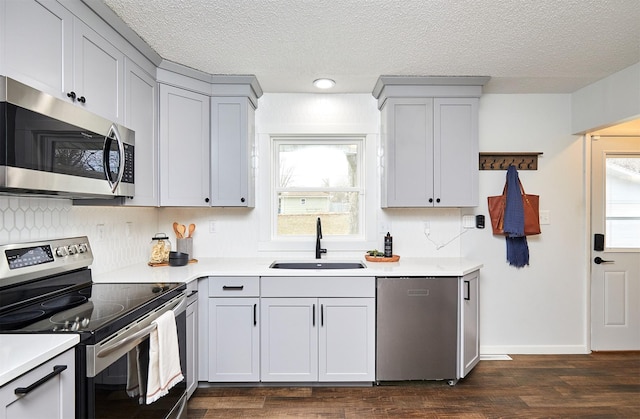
(599, 385)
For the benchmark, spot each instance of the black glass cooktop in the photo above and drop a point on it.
(93, 309)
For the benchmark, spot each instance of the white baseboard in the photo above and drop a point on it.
(534, 350)
(495, 357)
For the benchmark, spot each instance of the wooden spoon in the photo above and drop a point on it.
(175, 230)
(181, 230)
(192, 228)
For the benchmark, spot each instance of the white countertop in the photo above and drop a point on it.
(21, 353)
(260, 267)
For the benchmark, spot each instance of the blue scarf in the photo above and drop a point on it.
(517, 248)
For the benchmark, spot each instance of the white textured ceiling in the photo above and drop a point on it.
(526, 46)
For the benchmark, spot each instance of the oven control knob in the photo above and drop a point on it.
(61, 251)
(82, 248)
(73, 249)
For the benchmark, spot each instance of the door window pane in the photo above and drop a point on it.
(623, 202)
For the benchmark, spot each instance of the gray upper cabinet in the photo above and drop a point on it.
(184, 147)
(98, 69)
(207, 138)
(141, 94)
(53, 51)
(232, 152)
(429, 140)
(45, 30)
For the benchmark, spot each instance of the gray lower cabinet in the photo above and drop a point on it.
(317, 329)
(53, 399)
(192, 338)
(233, 350)
(469, 323)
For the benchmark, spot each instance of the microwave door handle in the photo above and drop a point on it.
(113, 134)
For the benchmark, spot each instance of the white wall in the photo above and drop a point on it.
(614, 99)
(541, 308)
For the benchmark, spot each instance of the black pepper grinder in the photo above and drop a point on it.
(388, 245)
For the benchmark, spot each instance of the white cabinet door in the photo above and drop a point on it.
(38, 45)
(455, 162)
(98, 69)
(469, 323)
(234, 340)
(232, 150)
(184, 147)
(347, 339)
(140, 116)
(54, 398)
(289, 341)
(192, 348)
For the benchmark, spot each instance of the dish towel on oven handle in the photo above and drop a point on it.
(517, 247)
(134, 377)
(164, 357)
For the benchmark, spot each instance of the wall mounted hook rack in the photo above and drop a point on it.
(502, 160)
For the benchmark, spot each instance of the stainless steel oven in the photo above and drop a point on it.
(49, 146)
(46, 287)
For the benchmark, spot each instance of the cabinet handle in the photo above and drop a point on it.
(255, 314)
(81, 99)
(321, 315)
(72, 95)
(430, 200)
(206, 200)
(314, 316)
(241, 199)
(232, 287)
(438, 200)
(468, 285)
(56, 370)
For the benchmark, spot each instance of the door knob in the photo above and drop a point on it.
(598, 260)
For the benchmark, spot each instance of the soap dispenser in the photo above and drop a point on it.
(388, 245)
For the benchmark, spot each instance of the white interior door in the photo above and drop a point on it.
(615, 263)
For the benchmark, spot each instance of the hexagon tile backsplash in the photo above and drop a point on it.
(119, 236)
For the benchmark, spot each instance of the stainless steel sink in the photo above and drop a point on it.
(324, 264)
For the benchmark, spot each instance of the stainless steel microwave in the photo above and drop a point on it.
(52, 147)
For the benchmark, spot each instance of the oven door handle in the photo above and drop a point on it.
(138, 336)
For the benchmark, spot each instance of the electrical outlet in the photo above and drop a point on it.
(128, 229)
(468, 221)
(426, 227)
(213, 227)
(384, 227)
(545, 217)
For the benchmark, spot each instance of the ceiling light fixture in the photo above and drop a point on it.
(324, 83)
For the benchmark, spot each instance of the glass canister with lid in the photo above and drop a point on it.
(159, 248)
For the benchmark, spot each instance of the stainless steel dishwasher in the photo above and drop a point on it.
(416, 322)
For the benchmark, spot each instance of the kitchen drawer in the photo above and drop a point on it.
(316, 286)
(232, 286)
